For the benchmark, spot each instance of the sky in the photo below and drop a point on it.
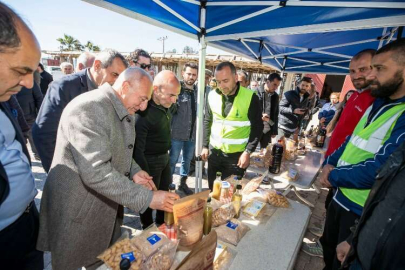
(50, 19)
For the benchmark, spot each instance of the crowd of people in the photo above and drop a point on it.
(110, 132)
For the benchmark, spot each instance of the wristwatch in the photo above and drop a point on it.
(248, 151)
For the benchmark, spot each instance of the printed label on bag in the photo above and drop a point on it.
(292, 173)
(130, 256)
(153, 239)
(231, 225)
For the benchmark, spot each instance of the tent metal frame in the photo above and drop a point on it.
(244, 37)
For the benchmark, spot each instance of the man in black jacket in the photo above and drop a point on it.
(19, 221)
(153, 130)
(46, 78)
(106, 68)
(269, 101)
(184, 125)
(30, 101)
(378, 241)
(292, 108)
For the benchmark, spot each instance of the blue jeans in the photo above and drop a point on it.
(187, 147)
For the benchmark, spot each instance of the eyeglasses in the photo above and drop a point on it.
(145, 66)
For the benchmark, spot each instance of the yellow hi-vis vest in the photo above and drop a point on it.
(365, 143)
(230, 134)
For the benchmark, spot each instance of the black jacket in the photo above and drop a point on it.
(388, 232)
(153, 133)
(184, 115)
(30, 101)
(274, 110)
(46, 79)
(44, 130)
(291, 101)
(4, 186)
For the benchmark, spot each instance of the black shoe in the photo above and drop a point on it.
(183, 186)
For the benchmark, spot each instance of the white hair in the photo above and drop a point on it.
(85, 58)
(107, 57)
(133, 75)
(65, 64)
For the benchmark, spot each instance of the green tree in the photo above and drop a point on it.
(91, 47)
(189, 49)
(69, 43)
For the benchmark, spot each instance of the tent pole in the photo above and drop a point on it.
(200, 104)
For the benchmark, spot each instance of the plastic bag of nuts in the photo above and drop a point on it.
(232, 232)
(120, 250)
(252, 185)
(223, 214)
(150, 240)
(275, 198)
(162, 258)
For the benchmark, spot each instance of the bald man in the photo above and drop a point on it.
(93, 173)
(19, 57)
(153, 136)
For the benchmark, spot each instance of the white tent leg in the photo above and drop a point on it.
(200, 113)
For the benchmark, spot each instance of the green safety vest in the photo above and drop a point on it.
(365, 143)
(230, 134)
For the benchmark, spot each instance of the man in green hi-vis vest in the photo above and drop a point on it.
(352, 168)
(232, 125)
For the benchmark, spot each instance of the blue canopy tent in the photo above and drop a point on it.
(292, 36)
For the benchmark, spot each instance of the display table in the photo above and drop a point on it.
(276, 243)
(272, 243)
(308, 167)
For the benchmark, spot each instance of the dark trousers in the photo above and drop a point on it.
(159, 169)
(283, 133)
(329, 197)
(265, 139)
(227, 164)
(18, 243)
(337, 229)
(29, 136)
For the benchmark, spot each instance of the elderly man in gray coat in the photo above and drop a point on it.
(91, 173)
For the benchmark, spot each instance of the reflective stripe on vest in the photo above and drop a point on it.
(365, 143)
(230, 134)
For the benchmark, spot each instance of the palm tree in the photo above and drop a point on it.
(91, 47)
(69, 43)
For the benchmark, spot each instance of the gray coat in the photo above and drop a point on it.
(88, 179)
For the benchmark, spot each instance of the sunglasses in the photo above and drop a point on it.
(145, 66)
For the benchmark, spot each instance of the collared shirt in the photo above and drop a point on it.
(91, 84)
(20, 177)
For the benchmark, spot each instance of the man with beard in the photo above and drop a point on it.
(360, 68)
(232, 125)
(352, 168)
(243, 78)
(361, 99)
(293, 107)
(183, 125)
(269, 105)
